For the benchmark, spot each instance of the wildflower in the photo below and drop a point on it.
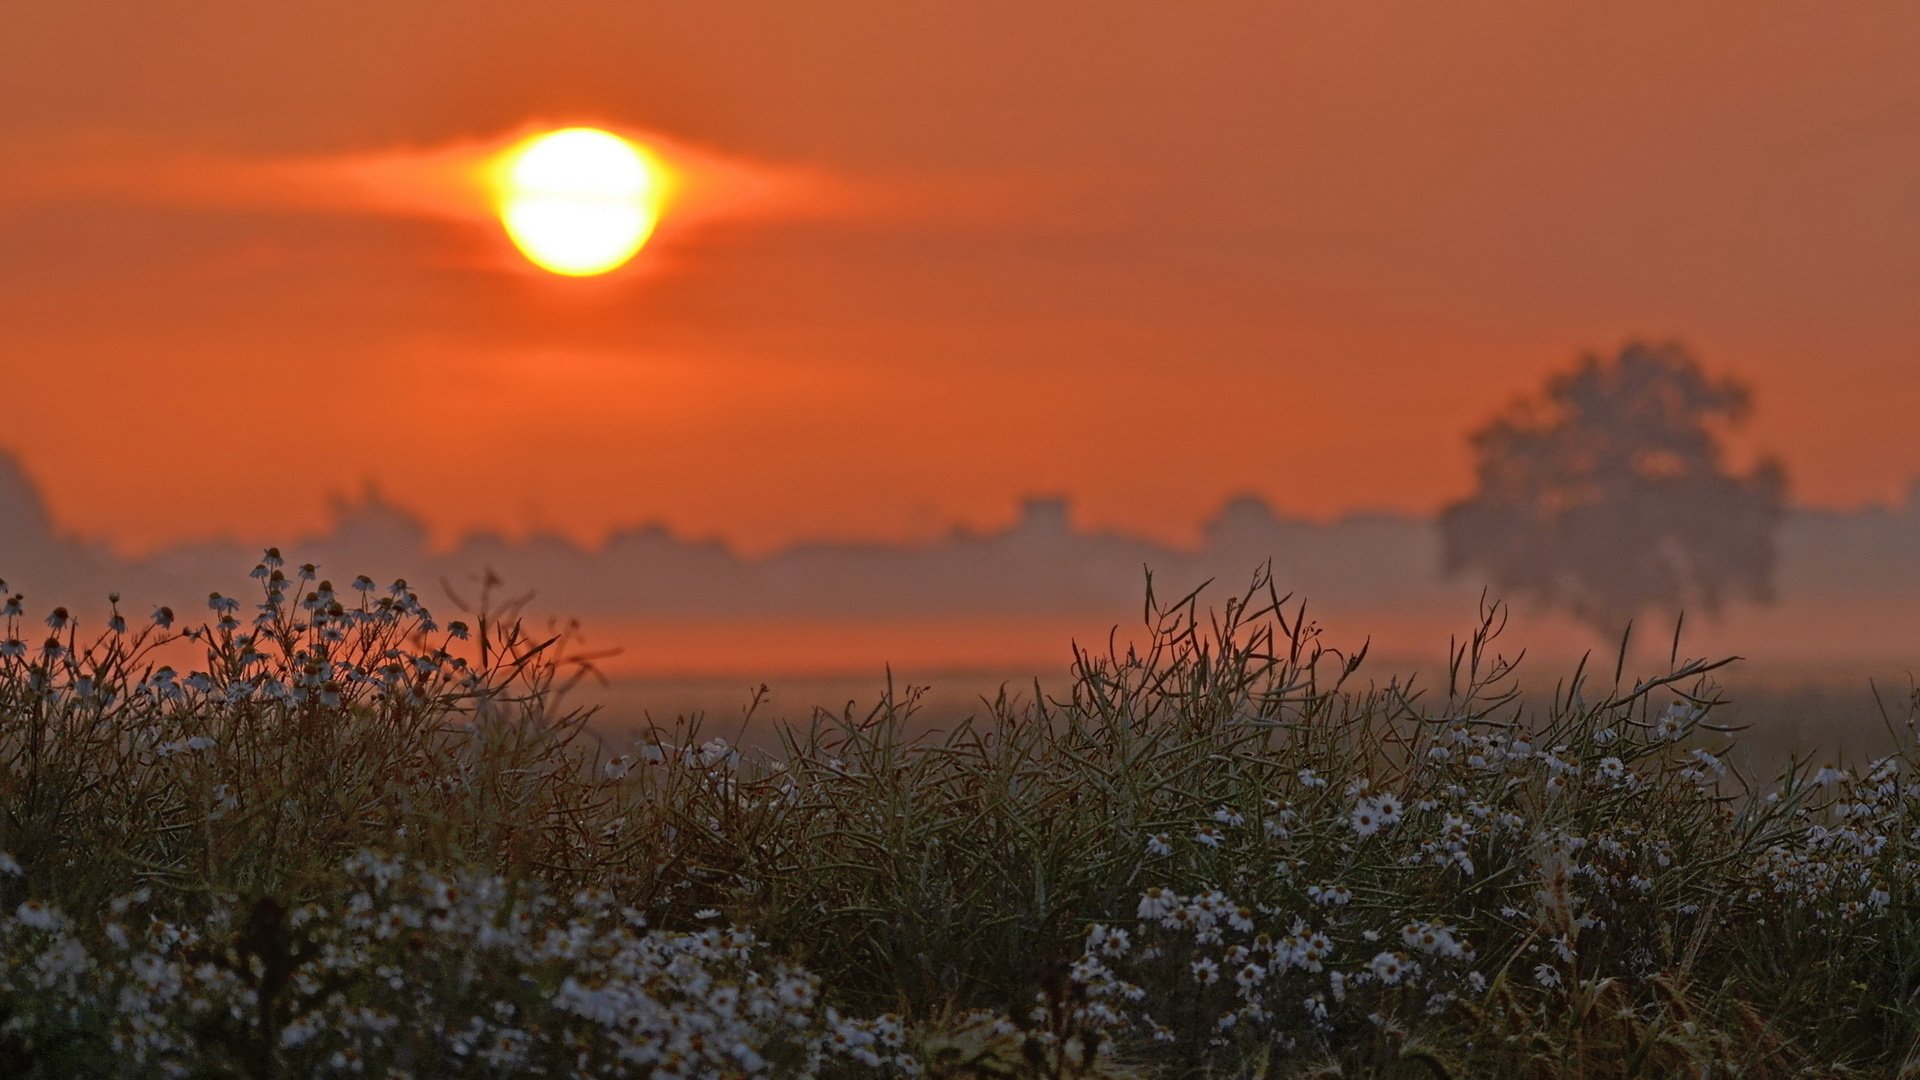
(34, 914)
(1388, 967)
(1156, 903)
(301, 1030)
(1157, 845)
(1181, 918)
(1208, 905)
(10, 866)
(224, 801)
(1389, 808)
(1314, 950)
(715, 751)
(1308, 778)
(367, 864)
(1366, 819)
(12, 648)
(1546, 976)
(58, 619)
(163, 617)
(1330, 895)
(1673, 724)
(1206, 971)
(1228, 817)
(1433, 939)
(13, 609)
(1209, 835)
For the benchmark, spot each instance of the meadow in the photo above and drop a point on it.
(316, 831)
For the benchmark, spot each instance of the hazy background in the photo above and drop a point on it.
(696, 624)
(1054, 292)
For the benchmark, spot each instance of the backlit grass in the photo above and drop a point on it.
(340, 837)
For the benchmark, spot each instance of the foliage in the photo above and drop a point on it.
(351, 839)
(1609, 494)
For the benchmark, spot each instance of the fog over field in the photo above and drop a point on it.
(697, 623)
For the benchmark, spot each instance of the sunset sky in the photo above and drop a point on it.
(925, 259)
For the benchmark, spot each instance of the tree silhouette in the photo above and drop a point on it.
(1608, 495)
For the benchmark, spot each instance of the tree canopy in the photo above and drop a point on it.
(1609, 495)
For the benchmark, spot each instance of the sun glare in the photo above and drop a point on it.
(579, 201)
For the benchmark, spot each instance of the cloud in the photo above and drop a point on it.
(450, 181)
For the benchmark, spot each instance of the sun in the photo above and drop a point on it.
(578, 201)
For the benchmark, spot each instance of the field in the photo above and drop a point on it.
(340, 837)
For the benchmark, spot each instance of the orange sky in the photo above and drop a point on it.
(1144, 254)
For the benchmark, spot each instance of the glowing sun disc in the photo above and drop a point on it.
(578, 201)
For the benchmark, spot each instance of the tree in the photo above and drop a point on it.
(1608, 495)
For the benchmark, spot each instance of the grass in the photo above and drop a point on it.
(353, 840)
